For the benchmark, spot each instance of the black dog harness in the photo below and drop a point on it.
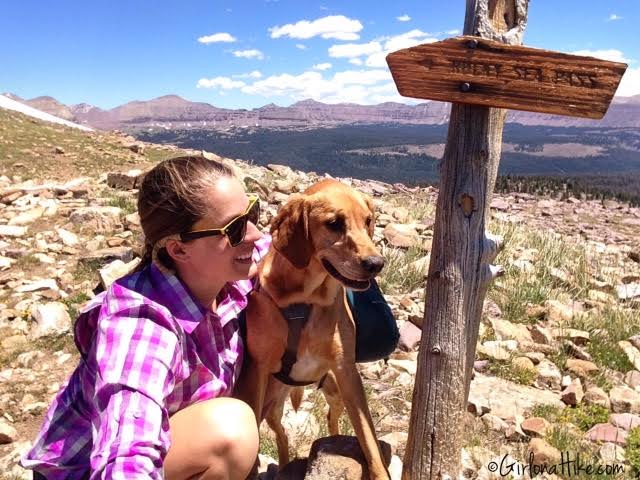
(296, 315)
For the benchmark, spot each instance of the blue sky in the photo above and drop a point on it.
(246, 54)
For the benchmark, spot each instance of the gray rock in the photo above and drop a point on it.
(13, 231)
(507, 399)
(633, 354)
(410, 336)
(100, 219)
(400, 235)
(628, 291)
(632, 379)
(612, 454)
(549, 375)
(573, 394)
(624, 400)
(543, 453)
(50, 319)
(339, 457)
(124, 180)
(8, 434)
(597, 396)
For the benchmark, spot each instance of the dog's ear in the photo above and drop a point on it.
(372, 209)
(290, 231)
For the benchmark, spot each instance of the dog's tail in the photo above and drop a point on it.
(296, 397)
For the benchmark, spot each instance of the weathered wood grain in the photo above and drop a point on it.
(477, 71)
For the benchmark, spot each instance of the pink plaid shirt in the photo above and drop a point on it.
(148, 350)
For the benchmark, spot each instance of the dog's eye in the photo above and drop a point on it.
(368, 221)
(335, 224)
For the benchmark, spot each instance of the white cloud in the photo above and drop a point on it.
(408, 39)
(352, 86)
(253, 53)
(453, 32)
(611, 55)
(355, 61)
(630, 84)
(614, 17)
(217, 37)
(301, 46)
(253, 74)
(220, 82)
(403, 18)
(351, 50)
(334, 26)
(322, 66)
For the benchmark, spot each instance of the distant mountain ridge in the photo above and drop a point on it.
(175, 112)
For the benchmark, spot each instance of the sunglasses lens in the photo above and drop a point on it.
(253, 215)
(237, 230)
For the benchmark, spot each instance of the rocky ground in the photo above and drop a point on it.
(558, 356)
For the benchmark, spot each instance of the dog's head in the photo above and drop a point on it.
(333, 223)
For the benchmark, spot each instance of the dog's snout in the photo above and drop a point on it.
(373, 263)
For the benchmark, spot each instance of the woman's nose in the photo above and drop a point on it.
(253, 233)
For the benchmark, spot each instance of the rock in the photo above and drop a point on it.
(51, 319)
(605, 432)
(12, 231)
(543, 453)
(339, 457)
(115, 270)
(578, 352)
(409, 366)
(505, 330)
(100, 219)
(625, 421)
(8, 434)
(400, 235)
(581, 368)
(579, 337)
(628, 291)
(282, 170)
(541, 335)
(535, 427)
(549, 375)
(136, 148)
(524, 363)
(612, 454)
(560, 313)
(573, 394)
(68, 238)
(596, 396)
(410, 336)
(28, 217)
(107, 255)
(624, 400)
(493, 422)
(401, 214)
(632, 379)
(506, 399)
(633, 354)
(397, 441)
(124, 181)
(39, 285)
(498, 349)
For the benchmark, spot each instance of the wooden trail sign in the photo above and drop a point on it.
(478, 71)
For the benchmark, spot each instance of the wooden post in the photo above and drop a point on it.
(484, 69)
(460, 270)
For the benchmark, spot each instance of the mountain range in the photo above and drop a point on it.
(174, 112)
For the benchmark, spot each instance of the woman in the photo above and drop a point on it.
(160, 349)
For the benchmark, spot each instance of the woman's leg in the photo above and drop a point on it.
(216, 439)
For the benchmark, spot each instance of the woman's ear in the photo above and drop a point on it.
(177, 250)
(290, 232)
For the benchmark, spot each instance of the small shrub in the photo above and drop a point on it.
(399, 275)
(585, 416)
(513, 373)
(633, 450)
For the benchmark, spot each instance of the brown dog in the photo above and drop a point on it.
(321, 244)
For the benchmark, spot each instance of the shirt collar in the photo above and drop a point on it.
(186, 309)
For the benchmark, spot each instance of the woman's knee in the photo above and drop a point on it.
(233, 426)
(219, 437)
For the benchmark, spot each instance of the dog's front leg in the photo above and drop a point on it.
(352, 392)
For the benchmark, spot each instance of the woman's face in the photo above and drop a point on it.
(213, 259)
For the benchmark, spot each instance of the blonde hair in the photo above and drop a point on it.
(172, 197)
